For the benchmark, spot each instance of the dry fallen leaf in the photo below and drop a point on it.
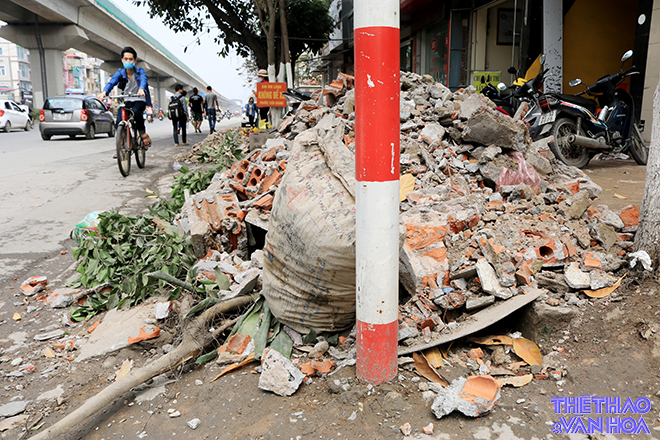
(516, 381)
(16, 317)
(49, 353)
(434, 357)
(619, 196)
(492, 340)
(423, 368)
(516, 365)
(602, 293)
(406, 185)
(527, 351)
(124, 369)
(233, 367)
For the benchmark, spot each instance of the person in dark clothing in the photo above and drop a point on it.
(262, 76)
(195, 101)
(180, 123)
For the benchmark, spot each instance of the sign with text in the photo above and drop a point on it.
(481, 78)
(270, 94)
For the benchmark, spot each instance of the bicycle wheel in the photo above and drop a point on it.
(123, 150)
(140, 151)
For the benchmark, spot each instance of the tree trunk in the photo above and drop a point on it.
(648, 233)
(196, 336)
(286, 54)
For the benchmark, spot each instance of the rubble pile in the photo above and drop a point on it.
(214, 149)
(491, 216)
(215, 218)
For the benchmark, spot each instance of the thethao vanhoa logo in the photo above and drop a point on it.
(605, 415)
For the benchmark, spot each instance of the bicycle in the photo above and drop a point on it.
(128, 140)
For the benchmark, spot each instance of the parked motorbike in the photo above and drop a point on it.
(161, 115)
(506, 103)
(580, 131)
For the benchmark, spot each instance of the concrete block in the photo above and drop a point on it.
(488, 127)
(473, 397)
(576, 278)
(279, 375)
(490, 282)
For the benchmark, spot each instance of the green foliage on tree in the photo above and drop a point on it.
(237, 25)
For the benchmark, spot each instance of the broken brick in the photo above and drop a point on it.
(317, 368)
(573, 187)
(236, 344)
(93, 327)
(629, 216)
(476, 353)
(591, 262)
(143, 336)
(433, 322)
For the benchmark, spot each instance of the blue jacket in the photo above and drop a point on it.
(121, 78)
(250, 110)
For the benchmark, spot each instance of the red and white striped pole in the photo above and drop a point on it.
(377, 173)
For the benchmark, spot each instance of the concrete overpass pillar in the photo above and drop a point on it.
(54, 40)
(160, 85)
(54, 76)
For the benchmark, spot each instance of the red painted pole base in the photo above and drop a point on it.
(376, 351)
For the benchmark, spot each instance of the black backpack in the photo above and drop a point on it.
(175, 108)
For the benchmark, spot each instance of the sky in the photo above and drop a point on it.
(203, 59)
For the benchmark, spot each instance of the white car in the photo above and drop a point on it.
(13, 116)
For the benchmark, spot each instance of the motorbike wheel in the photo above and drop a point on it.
(573, 155)
(140, 152)
(123, 150)
(638, 148)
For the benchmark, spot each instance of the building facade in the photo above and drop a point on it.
(15, 73)
(471, 42)
(83, 74)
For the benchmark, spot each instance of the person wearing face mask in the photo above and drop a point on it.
(131, 80)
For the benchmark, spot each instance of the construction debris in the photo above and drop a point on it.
(492, 215)
(473, 396)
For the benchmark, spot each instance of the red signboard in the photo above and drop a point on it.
(269, 94)
(434, 44)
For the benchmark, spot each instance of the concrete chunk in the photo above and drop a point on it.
(606, 235)
(472, 105)
(576, 278)
(63, 297)
(490, 282)
(432, 133)
(574, 207)
(13, 408)
(473, 396)
(488, 127)
(479, 302)
(279, 375)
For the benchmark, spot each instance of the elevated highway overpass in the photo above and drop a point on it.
(98, 28)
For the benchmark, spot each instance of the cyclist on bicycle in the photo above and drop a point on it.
(132, 81)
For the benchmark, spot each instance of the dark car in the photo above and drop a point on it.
(75, 115)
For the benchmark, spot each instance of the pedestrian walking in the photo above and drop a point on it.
(262, 76)
(211, 103)
(178, 112)
(195, 102)
(251, 111)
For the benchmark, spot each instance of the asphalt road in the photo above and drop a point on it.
(46, 187)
